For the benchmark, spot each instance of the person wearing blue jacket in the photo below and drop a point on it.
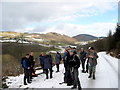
(26, 65)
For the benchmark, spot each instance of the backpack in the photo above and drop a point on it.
(22, 61)
(73, 61)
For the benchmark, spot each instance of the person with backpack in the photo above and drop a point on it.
(74, 63)
(42, 57)
(83, 59)
(92, 61)
(57, 60)
(26, 65)
(48, 65)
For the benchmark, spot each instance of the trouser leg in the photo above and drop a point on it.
(83, 67)
(87, 66)
(28, 76)
(76, 79)
(25, 77)
(90, 72)
(69, 76)
(50, 72)
(57, 65)
(94, 70)
(43, 68)
(46, 72)
(31, 73)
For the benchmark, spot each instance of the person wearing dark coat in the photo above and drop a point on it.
(57, 60)
(92, 61)
(26, 65)
(65, 61)
(74, 63)
(83, 59)
(42, 57)
(67, 74)
(48, 65)
(66, 54)
(32, 60)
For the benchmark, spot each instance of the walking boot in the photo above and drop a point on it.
(74, 87)
(86, 71)
(29, 82)
(25, 83)
(90, 75)
(47, 77)
(93, 76)
(79, 88)
(83, 71)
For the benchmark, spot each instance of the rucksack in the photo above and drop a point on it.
(72, 62)
(22, 61)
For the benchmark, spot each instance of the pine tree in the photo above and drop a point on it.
(110, 41)
(117, 34)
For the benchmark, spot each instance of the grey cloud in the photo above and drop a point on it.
(40, 29)
(16, 15)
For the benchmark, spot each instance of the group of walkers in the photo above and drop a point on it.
(71, 60)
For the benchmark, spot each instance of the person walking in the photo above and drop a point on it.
(42, 57)
(92, 61)
(83, 59)
(26, 65)
(74, 65)
(48, 65)
(57, 60)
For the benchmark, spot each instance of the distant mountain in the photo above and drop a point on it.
(85, 37)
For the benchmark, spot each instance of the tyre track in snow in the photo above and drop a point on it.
(112, 66)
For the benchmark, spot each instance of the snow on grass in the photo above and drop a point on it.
(35, 39)
(106, 76)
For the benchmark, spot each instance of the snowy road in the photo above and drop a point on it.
(106, 76)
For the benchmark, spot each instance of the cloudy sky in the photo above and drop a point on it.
(69, 17)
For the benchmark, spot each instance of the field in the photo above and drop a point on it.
(13, 52)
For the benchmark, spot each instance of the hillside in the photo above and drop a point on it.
(85, 37)
(59, 38)
(51, 37)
